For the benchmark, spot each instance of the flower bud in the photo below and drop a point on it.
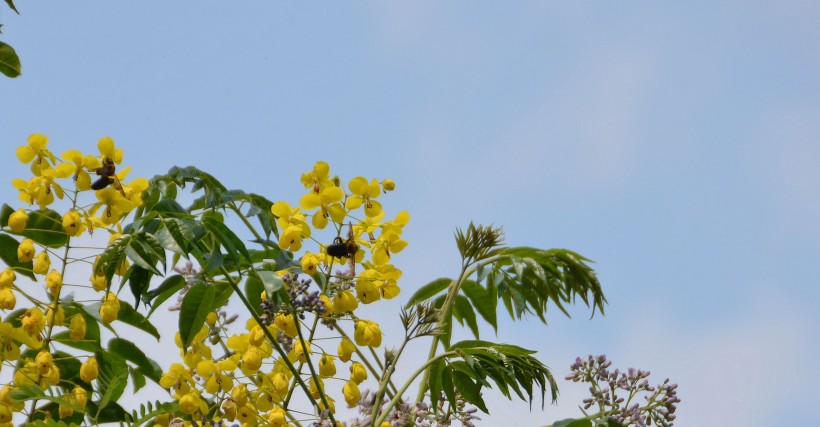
(89, 370)
(54, 281)
(77, 327)
(344, 302)
(346, 349)
(358, 373)
(18, 220)
(287, 324)
(41, 263)
(7, 278)
(7, 299)
(252, 358)
(327, 367)
(368, 333)
(277, 417)
(351, 393)
(388, 185)
(25, 251)
(80, 396)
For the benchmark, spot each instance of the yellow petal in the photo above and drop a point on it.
(319, 220)
(106, 147)
(353, 202)
(332, 195)
(64, 170)
(402, 218)
(37, 141)
(73, 156)
(19, 184)
(373, 208)
(373, 188)
(337, 213)
(310, 201)
(83, 181)
(281, 209)
(25, 154)
(358, 185)
(321, 170)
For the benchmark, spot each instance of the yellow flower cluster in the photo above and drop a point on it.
(36, 327)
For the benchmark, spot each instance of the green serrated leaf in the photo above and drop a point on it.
(195, 307)
(428, 291)
(9, 61)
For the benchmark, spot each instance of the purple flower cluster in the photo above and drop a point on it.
(430, 417)
(301, 300)
(660, 401)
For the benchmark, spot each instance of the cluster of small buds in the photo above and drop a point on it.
(604, 384)
(438, 417)
(188, 272)
(300, 299)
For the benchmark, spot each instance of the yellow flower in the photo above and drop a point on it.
(299, 353)
(388, 185)
(287, 324)
(346, 349)
(7, 278)
(358, 373)
(330, 402)
(33, 322)
(110, 308)
(328, 200)
(252, 358)
(277, 417)
(344, 302)
(328, 305)
(364, 193)
(188, 403)
(327, 367)
(80, 396)
(309, 263)
(44, 361)
(41, 263)
(317, 386)
(292, 224)
(279, 385)
(247, 414)
(77, 328)
(18, 220)
(36, 148)
(351, 393)
(108, 151)
(318, 178)
(240, 394)
(7, 299)
(366, 287)
(81, 164)
(73, 223)
(89, 370)
(115, 205)
(367, 333)
(25, 251)
(54, 281)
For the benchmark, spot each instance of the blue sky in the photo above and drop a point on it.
(676, 144)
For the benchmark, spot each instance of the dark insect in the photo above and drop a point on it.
(107, 175)
(338, 248)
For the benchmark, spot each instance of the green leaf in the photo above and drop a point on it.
(195, 307)
(9, 61)
(447, 385)
(428, 291)
(130, 316)
(137, 378)
(463, 312)
(65, 339)
(222, 293)
(139, 279)
(8, 253)
(253, 292)
(270, 281)
(145, 250)
(129, 351)
(112, 378)
(436, 370)
(161, 293)
(484, 300)
(573, 422)
(175, 235)
(227, 239)
(11, 5)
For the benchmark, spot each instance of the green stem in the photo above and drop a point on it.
(408, 383)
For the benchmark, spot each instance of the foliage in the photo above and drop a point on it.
(9, 61)
(298, 274)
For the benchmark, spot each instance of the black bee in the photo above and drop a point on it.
(338, 248)
(107, 175)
